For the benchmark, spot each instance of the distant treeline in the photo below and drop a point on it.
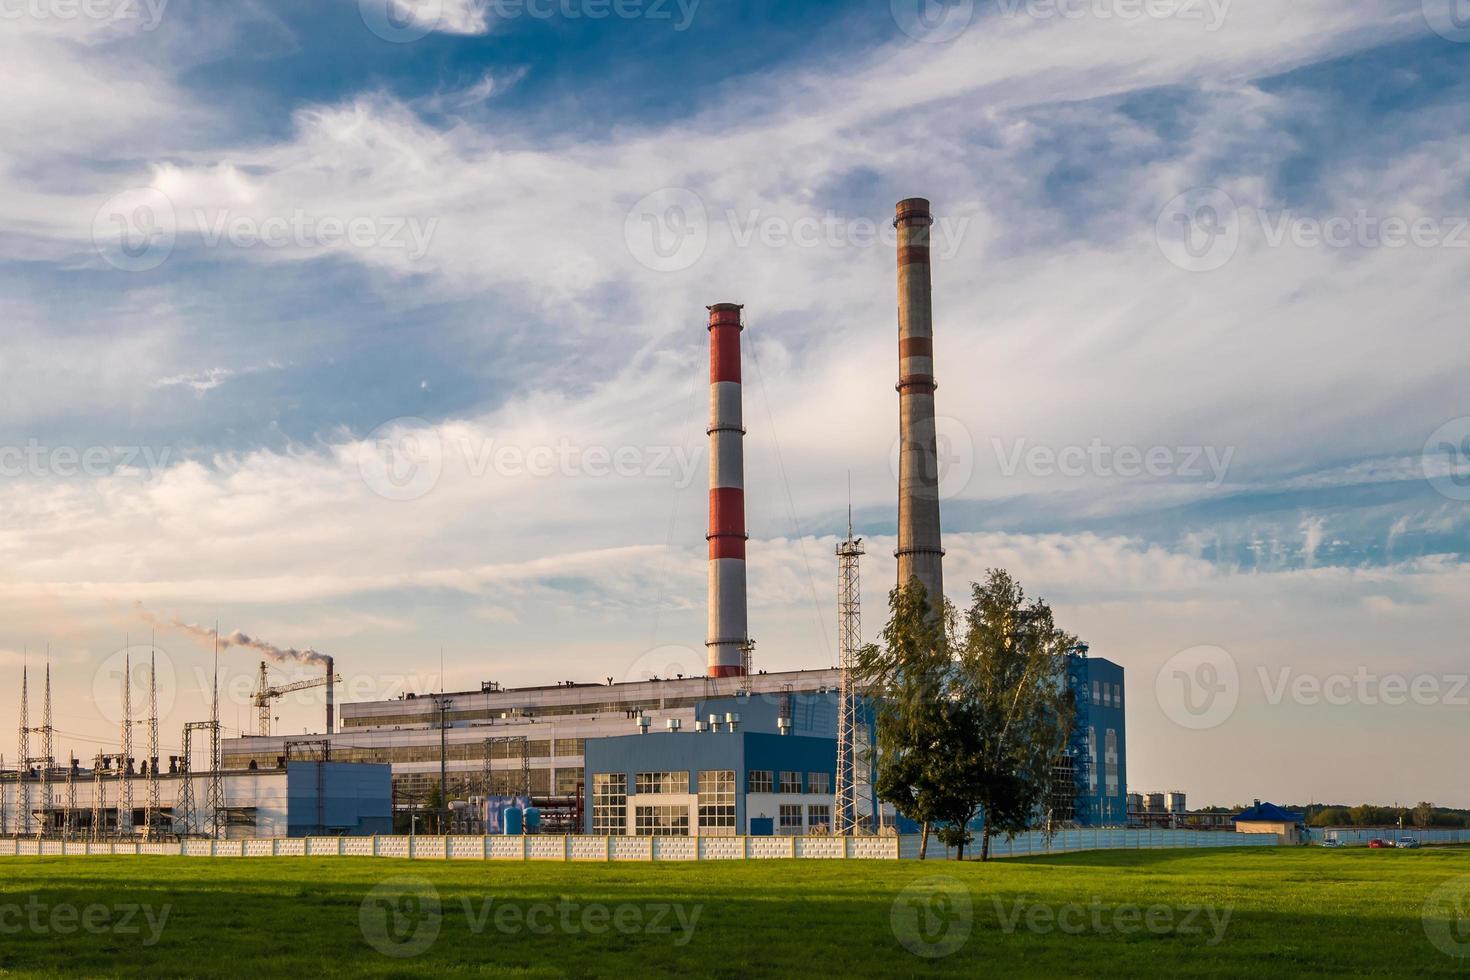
(1368, 815)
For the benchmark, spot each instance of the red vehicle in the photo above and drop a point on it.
(1378, 842)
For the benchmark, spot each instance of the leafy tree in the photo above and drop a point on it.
(1424, 815)
(974, 726)
(434, 805)
(917, 720)
(1012, 666)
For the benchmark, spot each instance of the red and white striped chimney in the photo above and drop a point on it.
(727, 616)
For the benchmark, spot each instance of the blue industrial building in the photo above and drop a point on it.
(338, 798)
(766, 765)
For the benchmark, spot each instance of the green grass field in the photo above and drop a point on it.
(1287, 912)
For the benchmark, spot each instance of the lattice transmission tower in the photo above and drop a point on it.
(852, 811)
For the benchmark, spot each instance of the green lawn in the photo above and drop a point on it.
(1287, 912)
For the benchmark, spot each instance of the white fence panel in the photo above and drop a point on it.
(819, 847)
(770, 847)
(507, 848)
(357, 846)
(632, 848)
(393, 847)
(721, 848)
(291, 847)
(874, 848)
(546, 848)
(467, 848)
(589, 848)
(674, 849)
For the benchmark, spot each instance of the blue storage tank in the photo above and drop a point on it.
(533, 819)
(512, 822)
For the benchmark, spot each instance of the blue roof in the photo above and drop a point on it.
(1269, 813)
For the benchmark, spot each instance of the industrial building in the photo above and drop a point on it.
(296, 799)
(734, 750)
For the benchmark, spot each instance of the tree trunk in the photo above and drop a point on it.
(985, 839)
(924, 842)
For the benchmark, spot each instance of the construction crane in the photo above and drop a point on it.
(265, 693)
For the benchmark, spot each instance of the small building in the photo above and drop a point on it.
(1268, 818)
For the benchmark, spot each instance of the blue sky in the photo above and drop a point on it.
(511, 175)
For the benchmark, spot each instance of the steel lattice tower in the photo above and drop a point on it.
(214, 799)
(22, 791)
(99, 789)
(70, 820)
(150, 822)
(852, 811)
(125, 764)
(48, 757)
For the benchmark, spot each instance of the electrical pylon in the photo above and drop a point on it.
(125, 764)
(22, 789)
(48, 756)
(852, 811)
(99, 797)
(150, 822)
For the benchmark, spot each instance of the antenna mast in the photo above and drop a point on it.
(215, 793)
(852, 810)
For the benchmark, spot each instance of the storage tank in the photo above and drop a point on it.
(1156, 803)
(533, 819)
(512, 822)
(1176, 803)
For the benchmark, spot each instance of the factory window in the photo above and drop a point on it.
(790, 822)
(1092, 760)
(610, 803)
(791, 782)
(663, 782)
(661, 821)
(717, 802)
(567, 780)
(570, 746)
(819, 818)
(1110, 746)
(1118, 695)
(818, 782)
(761, 781)
(1096, 693)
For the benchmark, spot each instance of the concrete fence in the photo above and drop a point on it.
(587, 848)
(527, 848)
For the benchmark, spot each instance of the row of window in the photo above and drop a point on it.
(818, 819)
(1110, 761)
(764, 781)
(1107, 694)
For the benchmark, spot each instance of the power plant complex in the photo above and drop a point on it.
(734, 752)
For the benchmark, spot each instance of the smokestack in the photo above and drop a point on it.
(727, 618)
(919, 553)
(331, 695)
